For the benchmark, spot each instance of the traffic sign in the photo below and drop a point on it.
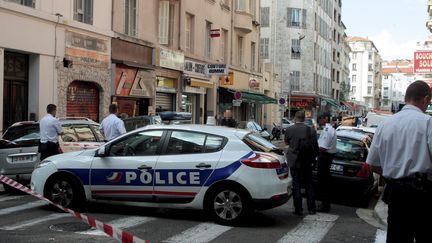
(237, 102)
(237, 95)
(282, 101)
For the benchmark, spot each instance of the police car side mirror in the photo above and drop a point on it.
(101, 152)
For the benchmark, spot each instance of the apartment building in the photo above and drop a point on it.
(397, 75)
(305, 39)
(365, 72)
(54, 52)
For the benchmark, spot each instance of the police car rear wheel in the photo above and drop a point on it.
(229, 206)
(65, 192)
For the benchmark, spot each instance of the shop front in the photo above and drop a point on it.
(84, 77)
(195, 86)
(170, 65)
(329, 107)
(134, 78)
(301, 103)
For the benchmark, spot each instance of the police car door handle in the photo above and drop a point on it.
(145, 167)
(202, 165)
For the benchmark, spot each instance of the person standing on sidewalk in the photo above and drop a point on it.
(112, 126)
(401, 152)
(301, 157)
(327, 150)
(50, 128)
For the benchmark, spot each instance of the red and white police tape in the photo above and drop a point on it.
(118, 234)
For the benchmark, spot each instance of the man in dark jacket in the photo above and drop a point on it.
(301, 156)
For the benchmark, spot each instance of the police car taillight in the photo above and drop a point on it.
(262, 161)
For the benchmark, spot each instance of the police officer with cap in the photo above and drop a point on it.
(401, 152)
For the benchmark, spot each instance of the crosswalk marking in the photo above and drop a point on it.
(380, 236)
(36, 221)
(35, 204)
(311, 230)
(121, 223)
(201, 233)
(4, 199)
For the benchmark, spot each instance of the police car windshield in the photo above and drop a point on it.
(259, 144)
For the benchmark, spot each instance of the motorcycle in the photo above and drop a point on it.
(276, 132)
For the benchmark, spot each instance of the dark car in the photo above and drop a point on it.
(173, 117)
(350, 173)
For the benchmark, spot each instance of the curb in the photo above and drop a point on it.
(380, 211)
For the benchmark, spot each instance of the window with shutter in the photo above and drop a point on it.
(303, 19)
(264, 48)
(130, 17)
(164, 22)
(265, 17)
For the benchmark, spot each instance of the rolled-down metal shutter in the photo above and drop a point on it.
(164, 101)
(83, 100)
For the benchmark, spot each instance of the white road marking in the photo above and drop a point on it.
(201, 233)
(311, 230)
(4, 199)
(121, 223)
(380, 236)
(35, 204)
(36, 221)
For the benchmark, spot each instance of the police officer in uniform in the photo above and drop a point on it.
(50, 128)
(401, 152)
(327, 150)
(112, 126)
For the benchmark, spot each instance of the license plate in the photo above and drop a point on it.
(22, 159)
(338, 168)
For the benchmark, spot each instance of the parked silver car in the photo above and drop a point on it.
(19, 145)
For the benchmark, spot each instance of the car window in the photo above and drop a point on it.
(69, 134)
(213, 144)
(98, 133)
(138, 144)
(84, 133)
(185, 143)
(350, 149)
(259, 144)
(21, 133)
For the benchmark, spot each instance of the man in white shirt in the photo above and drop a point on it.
(112, 126)
(401, 152)
(327, 148)
(50, 128)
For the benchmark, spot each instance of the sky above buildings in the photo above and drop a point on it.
(395, 26)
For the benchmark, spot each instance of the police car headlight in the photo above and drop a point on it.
(42, 164)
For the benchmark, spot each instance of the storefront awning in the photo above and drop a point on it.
(331, 102)
(258, 98)
(348, 106)
(201, 83)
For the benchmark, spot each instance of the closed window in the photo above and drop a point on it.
(28, 3)
(370, 67)
(264, 48)
(369, 90)
(240, 51)
(189, 32)
(223, 45)
(130, 17)
(213, 144)
(185, 143)
(253, 50)
(138, 144)
(242, 5)
(295, 80)
(354, 67)
(354, 78)
(208, 39)
(265, 17)
(83, 11)
(369, 78)
(165, 21)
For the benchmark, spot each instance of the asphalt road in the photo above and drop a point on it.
(25, 219)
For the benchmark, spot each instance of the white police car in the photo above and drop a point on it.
(228, 172)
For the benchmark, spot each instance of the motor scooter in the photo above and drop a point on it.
(276, 132)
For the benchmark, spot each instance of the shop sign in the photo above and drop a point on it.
(300, 103)
(134, 82)
(165, 85)
(217, 69)
(169, 59)
(254, 84)
(87, 49)
(194, 68)
(423, 62)
(236, 102)
(86, 42)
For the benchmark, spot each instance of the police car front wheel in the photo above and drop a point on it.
(229, 206)
(65, 192)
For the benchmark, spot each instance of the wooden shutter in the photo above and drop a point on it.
(303, 19)
(164, 7)
(289, 17)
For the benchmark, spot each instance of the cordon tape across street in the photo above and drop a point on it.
(118, 234)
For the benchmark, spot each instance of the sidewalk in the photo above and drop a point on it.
(381, 211)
